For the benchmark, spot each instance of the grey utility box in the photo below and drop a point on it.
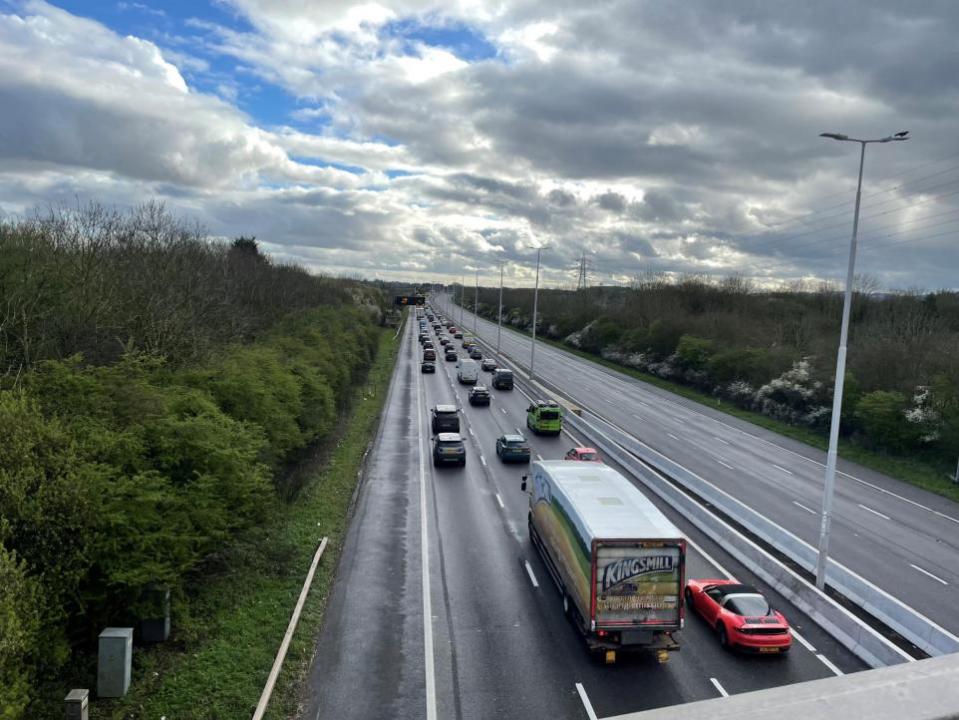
(114, 662)
(157, 629)
(78, 705)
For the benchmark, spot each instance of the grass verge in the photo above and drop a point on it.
(929, 474)
(215, 666)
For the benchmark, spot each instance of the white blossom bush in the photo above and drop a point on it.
(792, 397)
(922, 413)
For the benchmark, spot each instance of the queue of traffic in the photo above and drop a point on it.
(617, 561)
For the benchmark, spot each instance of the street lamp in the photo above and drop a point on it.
(830, 484)
(532, 348)
(499, 316)
(476, 303)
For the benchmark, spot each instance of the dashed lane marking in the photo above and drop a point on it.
(719, 687)
(529, 571)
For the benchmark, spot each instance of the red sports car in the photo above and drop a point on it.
(740, 614)
(585, 454)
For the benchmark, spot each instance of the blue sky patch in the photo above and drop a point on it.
(463, 41)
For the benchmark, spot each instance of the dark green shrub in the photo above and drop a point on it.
(881, 416)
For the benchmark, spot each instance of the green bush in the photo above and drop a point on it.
(881, 416)
(19, 634)
(693, 353)
(663, 337)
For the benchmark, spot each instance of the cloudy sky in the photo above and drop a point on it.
(421, 139)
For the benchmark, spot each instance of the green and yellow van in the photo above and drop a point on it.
(544, 417)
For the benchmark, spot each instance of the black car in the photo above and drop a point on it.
(479, 395)
(488, 364)
(449, 448)
(428, 345)
(423, 337)
(503, 379)
(429, 354)
(475, 353)
(427, 367)
(451, 355)
(512, 448)
(445, 419)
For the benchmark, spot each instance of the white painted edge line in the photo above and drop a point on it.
(808, 510)
(483, 460)
(430, 669)
(288, 635)
(802, 640)
(719, 687)
(529, 571)
(874, 512)
(825, 661)
(709, 558)
(500, 501)
(590, 713)
(926, 572)
(779, 467)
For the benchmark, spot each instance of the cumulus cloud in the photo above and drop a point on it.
(679, 137)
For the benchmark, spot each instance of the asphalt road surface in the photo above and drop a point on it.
(901, 538)
(441, 607)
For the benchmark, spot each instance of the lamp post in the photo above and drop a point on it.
(476, 303)
(830, 484)
(532, 348)
(499, 315)
(462, 300)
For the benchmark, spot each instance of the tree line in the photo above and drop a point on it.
(154, 383)
(774, 351)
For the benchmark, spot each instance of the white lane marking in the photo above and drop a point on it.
(874, 512)
(724, 464)
(803, 641)
(500, 500)
(825, 661)
(471, 432)
(720, 688)
(425, 565)
(719, 439)
(590, 713)
(709, 558)
(529, 571)
(538, 456)
(483, 460)
(926, 572)
(503, 410)
(898, 497)
(779, 467)
(518, 431)
(808, 510)
(644, 404)
(672, 436)
(637, 417)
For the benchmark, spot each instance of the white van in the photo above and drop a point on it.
(467, 371)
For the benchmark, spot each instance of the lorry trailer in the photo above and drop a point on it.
(618, 562)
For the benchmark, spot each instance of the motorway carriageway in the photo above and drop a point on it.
(450, 546)
(901, 538)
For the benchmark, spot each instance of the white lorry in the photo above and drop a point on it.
(467, 371)
(618, 562)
